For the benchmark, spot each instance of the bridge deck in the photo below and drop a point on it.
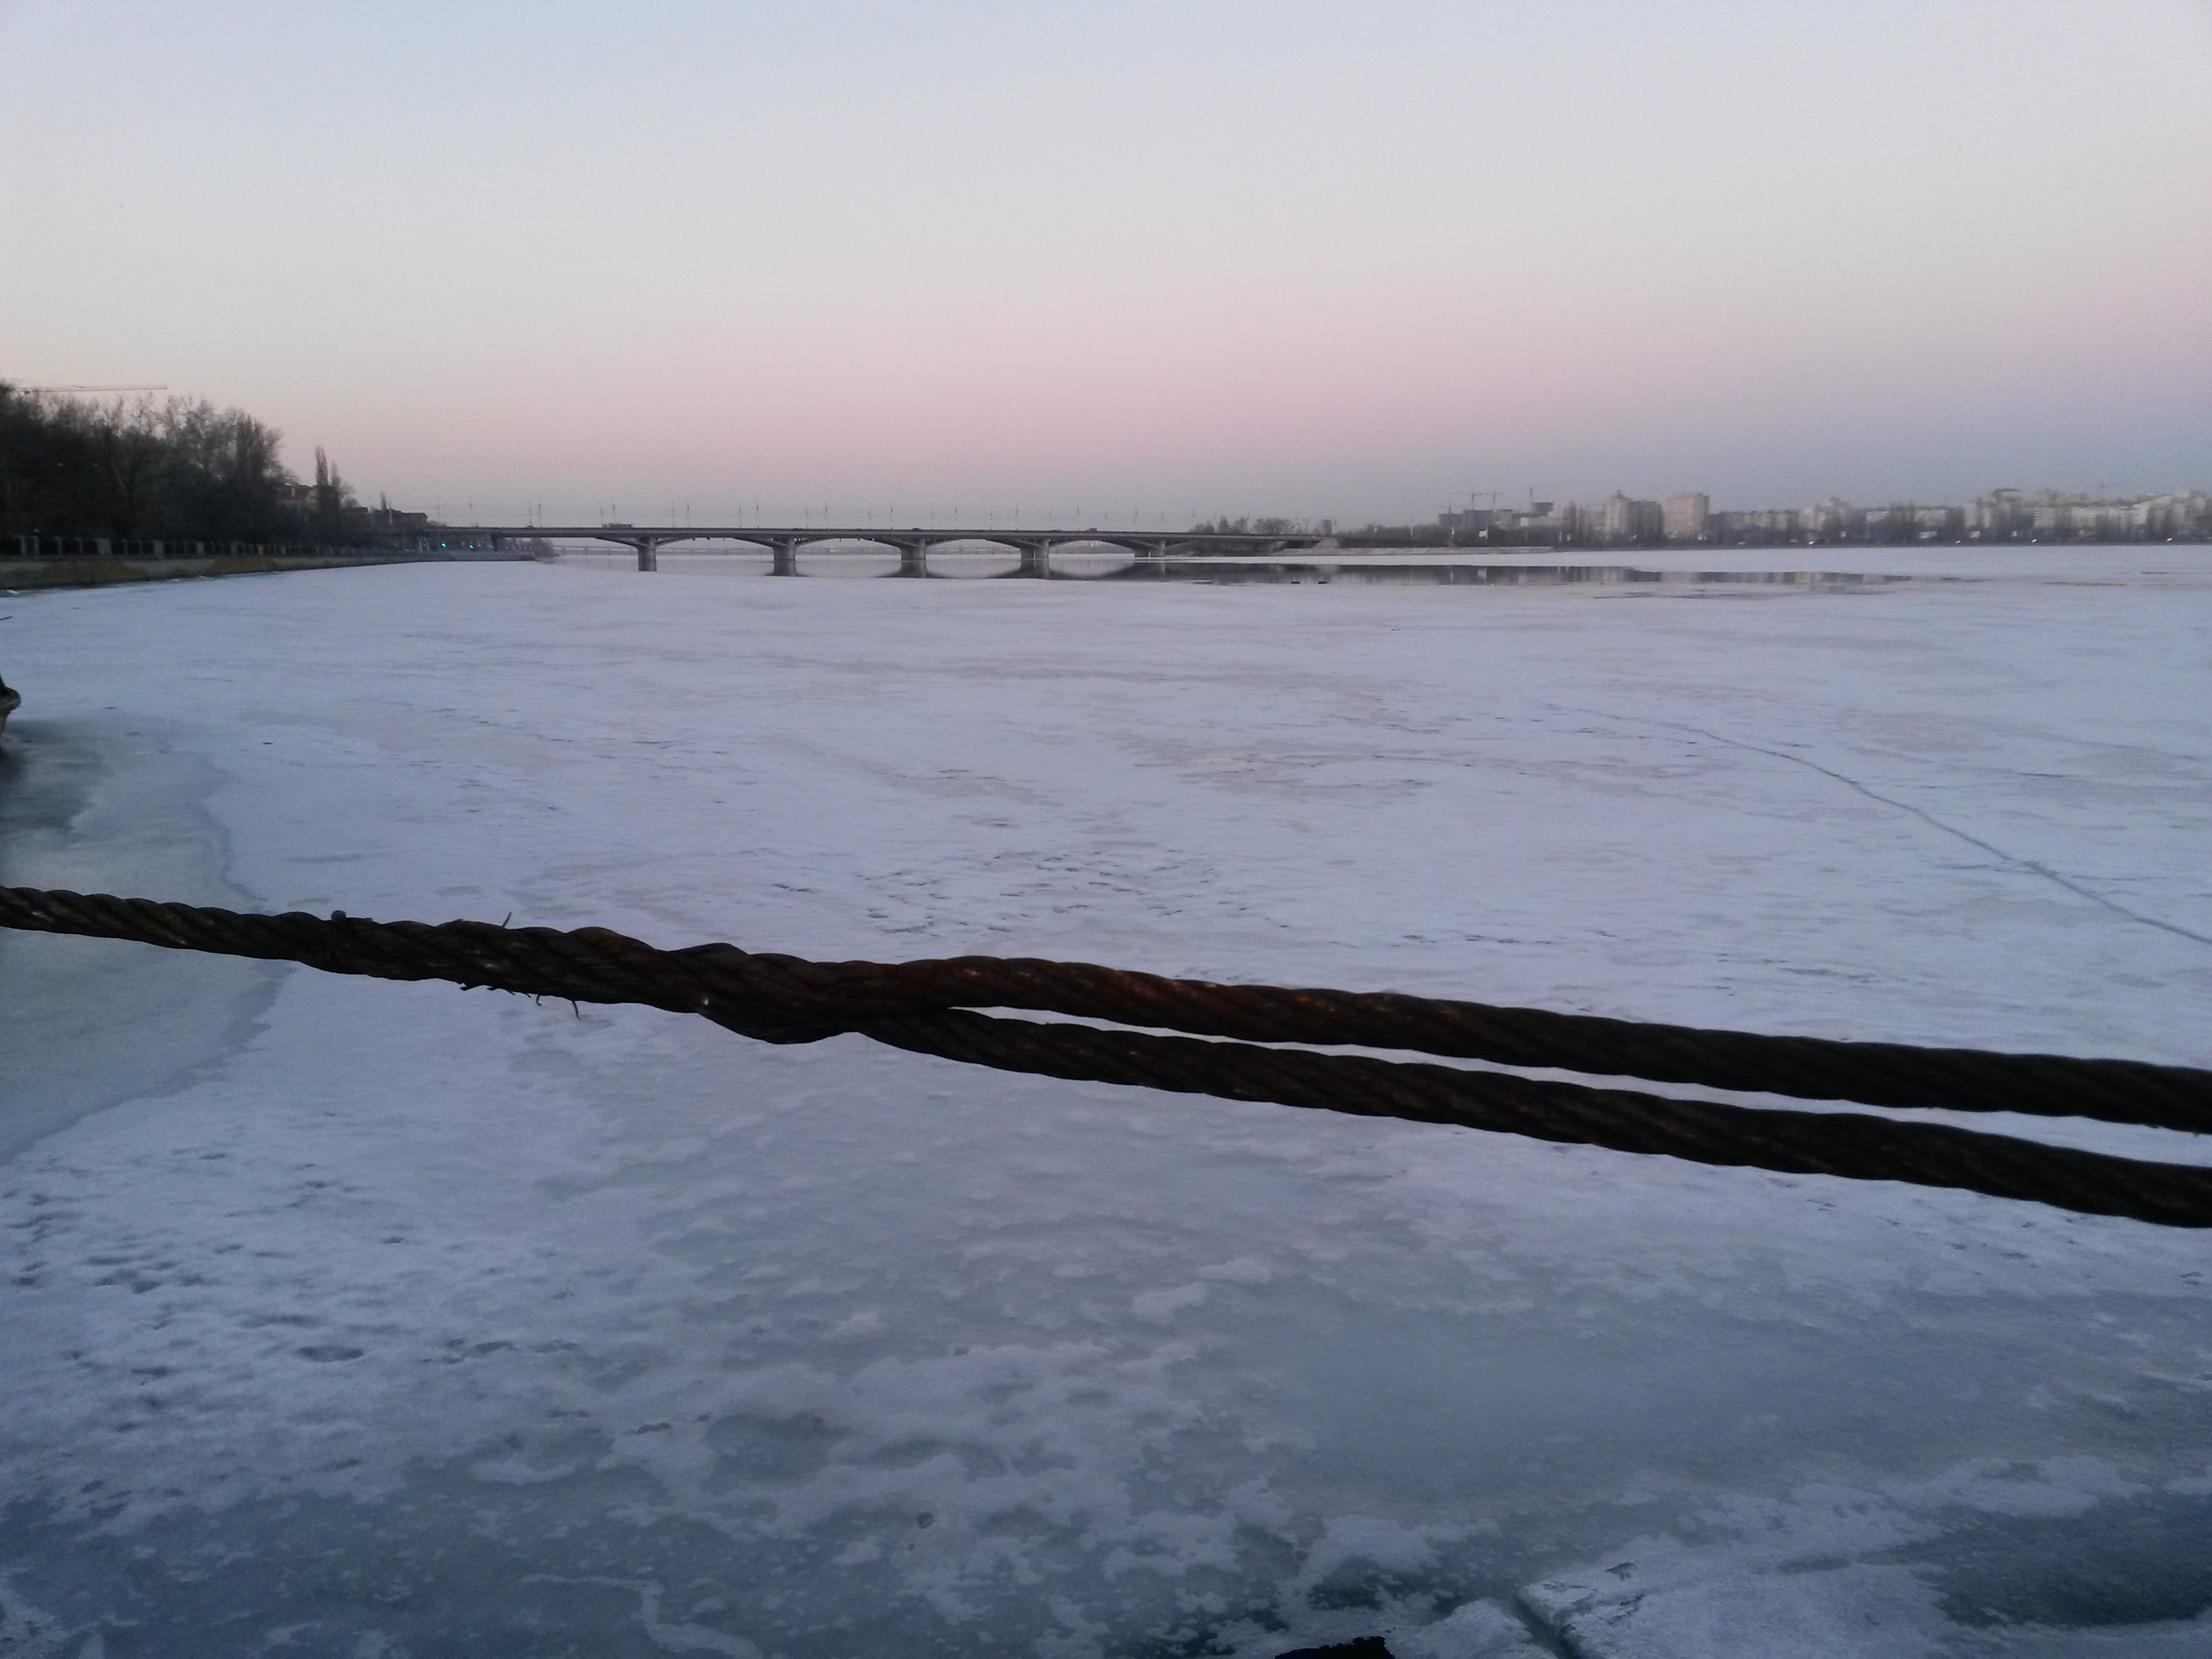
(914, 541)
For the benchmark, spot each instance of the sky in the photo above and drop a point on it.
(1132, 262)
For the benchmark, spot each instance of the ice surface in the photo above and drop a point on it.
(351, 1318)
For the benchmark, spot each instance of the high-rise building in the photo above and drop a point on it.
(1621, 519)
(1687, 518)
(1831, 520)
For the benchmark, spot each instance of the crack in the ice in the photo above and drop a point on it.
(2029, 865)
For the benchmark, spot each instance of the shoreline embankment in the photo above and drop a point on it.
(103, 570)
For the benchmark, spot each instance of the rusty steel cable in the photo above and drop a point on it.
(1850, 1145)
(922, 1006)
(593, 964)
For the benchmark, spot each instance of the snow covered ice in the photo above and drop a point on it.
(373, 1320)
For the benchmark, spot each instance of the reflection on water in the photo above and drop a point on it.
(1078, 565)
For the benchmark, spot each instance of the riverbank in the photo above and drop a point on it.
(98, 571)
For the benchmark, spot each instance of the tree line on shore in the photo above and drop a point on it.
(176, 470)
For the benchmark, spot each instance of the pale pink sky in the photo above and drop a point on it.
(1136, 260)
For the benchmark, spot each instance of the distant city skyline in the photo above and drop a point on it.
(100, 463)
(2002, 515)
(1164, 258)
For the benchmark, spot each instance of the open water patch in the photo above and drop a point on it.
(1224, 572)
(1092, 563)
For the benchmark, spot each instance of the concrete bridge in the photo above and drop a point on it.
(912, 546)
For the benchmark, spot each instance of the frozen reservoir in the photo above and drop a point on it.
(389, 1321)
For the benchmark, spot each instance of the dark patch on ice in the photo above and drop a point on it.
(756, 1451)
(1349, 1590)
(577, 1565)
(1210, 1643)
(1224, 572)
(1367, 1647)
(328, 1352)
(2128, 1561)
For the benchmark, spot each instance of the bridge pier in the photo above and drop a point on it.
(913, 560)
(1036, 559)
(783, 558)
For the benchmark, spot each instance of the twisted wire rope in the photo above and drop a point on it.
(927, 1007)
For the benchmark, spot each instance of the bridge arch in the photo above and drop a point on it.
(1142, 547)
